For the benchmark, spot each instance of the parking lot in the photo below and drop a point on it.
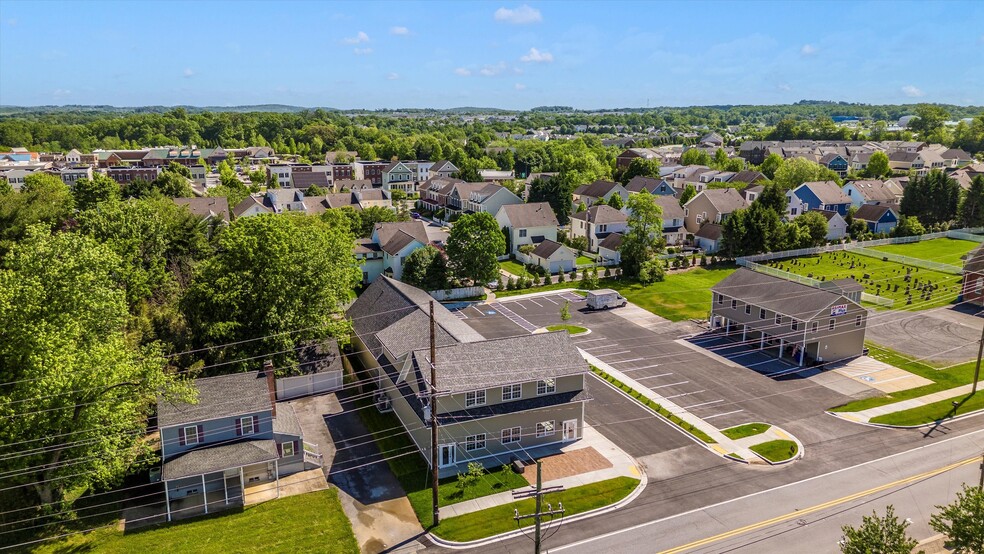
(655, 353)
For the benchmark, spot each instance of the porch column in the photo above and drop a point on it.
(276, 469)
(762, 341)
(782, 344)
(242, 486)
(727, 326)
(744, 332)
(167, 501)
(225, 488)
(204, 494)
(802, 354)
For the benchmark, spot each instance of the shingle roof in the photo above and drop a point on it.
(640, 183)
(249, 390)
(319, 356)
(547, 248)
(304, 179)
(709, 231)
(871, 212)
(443, 165)
(802, 302)
(217, 206)
(394, 236)
(671, 207)
(496, 362)
(601, 215)
(339, 199)
(747, 176)
(725, 201)
(827, 214)
(353, 184)
(286, 421)
(877, 191)
(535, 214)
(596, 189)
(611, 242)
(217, 458)
(828, 192)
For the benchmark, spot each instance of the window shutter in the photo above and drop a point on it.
(297, 447)
(239, 427)
(181, 436)
(280, 450)
(256, 424)
(201, 434)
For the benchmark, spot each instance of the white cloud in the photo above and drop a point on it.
(357, 39)
(912, 92)
(493, 70)
(808, 50)
(362, 51)
(784, 87)
(537, 56)
(61, 93)
(401, 31)
(520, 86)
(462, 71)
(522, 15)
(393, 76)
(188, 73)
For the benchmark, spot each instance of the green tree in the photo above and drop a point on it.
(181, 170)
(372, 215)
(314, 190)
(64, 313)
(641, 167)
(44, 199)
(173, 185)
(474, 244)
(814, 228)
(565, 310)
(644, 237)
(695, 156)
(689, 191)
(908, 226)
(962, 521)
(616, 201)
(752, 230)
(929, 120)
(773, 197)
(426, 268)
(272, 274)
(581, 207)
(796, 171)
(557, 192)
(877, 165)
(882, 535)
(971, 213)
(769, 166)
(933, 198)
(89, 192)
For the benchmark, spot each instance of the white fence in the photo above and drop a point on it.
(811, 282)
(456, 294)
(306, 385)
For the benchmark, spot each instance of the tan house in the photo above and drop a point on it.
(597, 222)
(527, 224)
(711, 206)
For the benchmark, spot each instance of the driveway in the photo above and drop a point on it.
(943, 335)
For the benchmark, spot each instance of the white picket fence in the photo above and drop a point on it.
(456, 294)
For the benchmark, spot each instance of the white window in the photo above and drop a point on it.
(475, 442)
(815, 326)
(287, 449)
(474, 398)
(522, 233)
(246, 426)
(191, 434)
(512, 392)
(857, 321)
(544, 429)
(792, 211)
(546, 386)
(831, 324)
(511, 435)
(980, 285)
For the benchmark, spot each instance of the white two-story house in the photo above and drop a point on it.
(596, 223)
(527, 224)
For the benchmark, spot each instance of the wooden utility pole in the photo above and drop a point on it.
(977, 370)
(981, 485)
(539, 514)
(435, 481)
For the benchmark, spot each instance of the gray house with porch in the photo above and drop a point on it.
(233, 436)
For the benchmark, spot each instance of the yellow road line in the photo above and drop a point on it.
(818, 507)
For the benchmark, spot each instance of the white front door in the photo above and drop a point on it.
(446, 455)
(570, 430)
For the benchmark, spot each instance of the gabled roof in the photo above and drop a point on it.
(828, 214)
(709, 231)
(396, 235)
(353, 184)
(601, 215)
(789, 298)
(671, 207)
(725, 201)
(547, 248)
(443, 166)
(611, 242)
(395, 165)
(319, 356)
(247, 203)
(956, 154)
(640, 183)
(315, 205)
(339, 200)
(872, 212)
(211, 206)
(747, 176)
(492, 363)
(828, 192)
(536, 214)
(249, 390)
(877, 191)
(596, 189)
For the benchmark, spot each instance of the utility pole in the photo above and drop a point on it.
(977, 370)
(539, 514)
(981, 485)
(433, 415)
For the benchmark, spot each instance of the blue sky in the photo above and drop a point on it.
(497, 54)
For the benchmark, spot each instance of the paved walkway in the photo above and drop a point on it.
(865, 416)
(622, 465)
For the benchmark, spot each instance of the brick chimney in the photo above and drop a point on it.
(271, 384)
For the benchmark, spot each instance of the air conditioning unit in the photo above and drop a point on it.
(383, 403)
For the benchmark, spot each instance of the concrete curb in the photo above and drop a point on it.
(453, 545)
(800, 449)
(968, 415)
(534, 294)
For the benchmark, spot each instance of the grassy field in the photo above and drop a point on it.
(776, 451)
(571, 329)
(943, 379)
(514, 267)
(584, 260)
(748, 430)
(499, 519)
(881, 278)
(312, 522)
(936, 411)
(944, 251)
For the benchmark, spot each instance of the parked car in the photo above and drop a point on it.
(603, 299)
(415, 215)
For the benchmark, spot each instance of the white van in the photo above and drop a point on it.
(603, 299)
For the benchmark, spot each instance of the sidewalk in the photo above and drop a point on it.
(622, 465)
(864, 416)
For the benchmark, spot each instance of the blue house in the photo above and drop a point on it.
(817, 195)
(880, 218)
(233, 436)
(835, 162)
(653, 186)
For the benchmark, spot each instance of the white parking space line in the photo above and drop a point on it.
(460, 314)
(724, 414)
(535, 302)
(684, 394)
(614, 353)
(572, 297)
(649, 367)
(671, 385)
(703, 404)
(513, 316)
(520, 304)
(625, 361)
(600, 347)
(548, 299)
(651, 376)
(589, 340)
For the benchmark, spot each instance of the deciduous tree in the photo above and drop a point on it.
(474, 244)
(972, 206)
(962, 521)
(884, 535)
(644, 238)
(877, 165)
(426, 268)
(89, 192)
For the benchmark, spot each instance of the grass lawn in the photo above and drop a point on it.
(944, 250)
(514, 267)
(414, 475)
(934, 412)
(747, 430)
(312, 522)
(545, 288)
(571, 329)
(886, 279)
(584, 260)
(943, 379)
(776, 451)
(499, 519)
